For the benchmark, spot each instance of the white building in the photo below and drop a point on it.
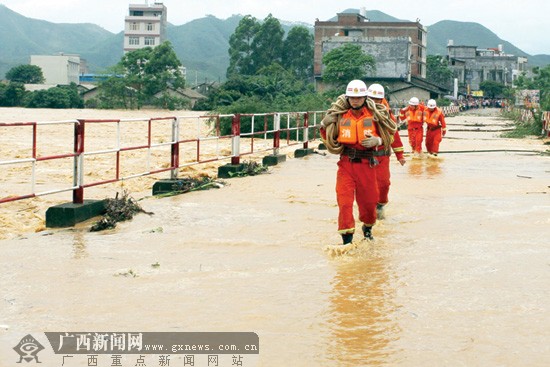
(145, 26)
(58, 69)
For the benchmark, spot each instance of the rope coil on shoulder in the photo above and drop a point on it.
(386, 126)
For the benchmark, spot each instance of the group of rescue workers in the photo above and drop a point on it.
(360, 127)
(415, 115)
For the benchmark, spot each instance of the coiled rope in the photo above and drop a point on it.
(386, 126)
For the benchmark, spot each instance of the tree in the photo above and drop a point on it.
(163, 69)
(267, 46)
(140, 75)
(274, 80)
(26, 74)
(12, 94)
(492, 89)
(438, 71)
(540, 81)
(346, 63)
(114, 93)
(50, 98)
(240, 47)
(298, 52)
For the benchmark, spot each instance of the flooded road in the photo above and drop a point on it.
(458, 274)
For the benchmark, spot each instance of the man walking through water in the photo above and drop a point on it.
(354, 128)
(436, 127)
(413, 115)
(377, 94)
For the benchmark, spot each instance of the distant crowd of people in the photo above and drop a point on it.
(471, 103)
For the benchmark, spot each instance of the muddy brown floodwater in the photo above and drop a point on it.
(458, 273)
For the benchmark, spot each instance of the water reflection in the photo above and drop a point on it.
(433, 167)
(415, 167)
(79, 245)
(361, 313)
(430, 167)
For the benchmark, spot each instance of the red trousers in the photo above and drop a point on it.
(355, 182)
(415, 137)
(383, 178)
(433, 138)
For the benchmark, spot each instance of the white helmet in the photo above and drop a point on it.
(414, 101)
(431, 104)
(356, 88)
(375, 91)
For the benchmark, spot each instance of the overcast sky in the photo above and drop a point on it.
(526, 24)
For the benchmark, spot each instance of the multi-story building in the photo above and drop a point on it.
(471, 65)
(58, 69)
(145, 26)
(399, 48)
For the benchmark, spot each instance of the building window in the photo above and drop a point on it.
(149, 41)
(133, 41)
(150, 27)
(134, 26)
(420, 35)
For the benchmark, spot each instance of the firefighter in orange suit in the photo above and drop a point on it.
(436, 127)
(376, 93)
(357, 138)
(414, 116)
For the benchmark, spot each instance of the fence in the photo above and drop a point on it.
(528, 115)
(100, 151)
(546, 123)
(450, 110)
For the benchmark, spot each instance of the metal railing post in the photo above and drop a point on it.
(306, 130)
(236, 139)
(78, 169)
(277, 133)
(175, 149)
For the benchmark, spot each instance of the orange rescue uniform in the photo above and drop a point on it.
(415, 120)
(383, 168)
(356, 175)
(436, 129)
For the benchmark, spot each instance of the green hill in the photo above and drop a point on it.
(201, 44)
(465, 34)
(22, 37)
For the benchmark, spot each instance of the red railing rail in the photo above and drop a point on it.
(183, 141)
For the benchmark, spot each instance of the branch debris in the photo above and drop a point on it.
(118, 210)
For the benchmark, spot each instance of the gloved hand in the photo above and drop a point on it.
(323, 132)
(402, 161)
(443, 132)
(371, 141)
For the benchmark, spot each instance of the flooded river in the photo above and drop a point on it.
(458, 273)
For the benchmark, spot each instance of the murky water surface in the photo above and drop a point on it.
(457, 276)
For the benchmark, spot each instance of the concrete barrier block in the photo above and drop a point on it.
(273, 159)
(226, 170)
(165, 186)
(69, 214)
(299, 153)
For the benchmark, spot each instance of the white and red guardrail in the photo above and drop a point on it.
(268, 132)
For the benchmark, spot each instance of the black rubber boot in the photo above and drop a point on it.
(347, 238)
(367, 231)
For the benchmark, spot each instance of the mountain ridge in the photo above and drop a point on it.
(201, 44)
